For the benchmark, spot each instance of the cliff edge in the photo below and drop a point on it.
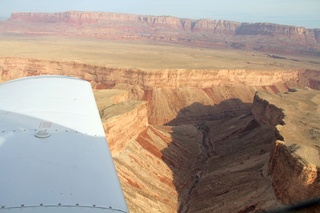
(294, 160)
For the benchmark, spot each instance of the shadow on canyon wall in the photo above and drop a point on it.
(191, 147)
(219, 157)
(197, 112)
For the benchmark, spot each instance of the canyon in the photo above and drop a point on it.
(231, 139)
(194, 140)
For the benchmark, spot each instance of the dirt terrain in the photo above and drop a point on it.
(187, 129)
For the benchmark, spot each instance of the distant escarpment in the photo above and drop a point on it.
(203, 32)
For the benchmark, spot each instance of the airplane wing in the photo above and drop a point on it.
(54, 156)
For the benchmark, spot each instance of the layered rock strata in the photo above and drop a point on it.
(136, 148)
(167, 91)
(214, 165)
(106, 77)
(122, 122)
(204, 165)
(210, 33)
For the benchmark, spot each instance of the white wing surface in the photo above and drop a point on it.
(54, 155)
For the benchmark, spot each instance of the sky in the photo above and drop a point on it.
(304, 13)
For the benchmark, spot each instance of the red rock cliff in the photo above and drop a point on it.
(11, 68)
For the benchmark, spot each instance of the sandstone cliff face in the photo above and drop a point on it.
(187, 167)
(215, 26)
(146, 177)
(209, 33)
(125, 124)
(122, 119)
(302, 36)
(294, 161)
(266, 113)
(273, 29)
(102, 76)
(136, 149)
(167, 91)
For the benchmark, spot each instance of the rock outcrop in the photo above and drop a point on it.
(210, 33)
(294, 161)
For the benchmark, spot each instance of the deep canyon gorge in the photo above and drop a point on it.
(193, 140)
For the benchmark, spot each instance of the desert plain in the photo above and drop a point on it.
(148, 55)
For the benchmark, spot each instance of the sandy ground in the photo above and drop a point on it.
(301, 131)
